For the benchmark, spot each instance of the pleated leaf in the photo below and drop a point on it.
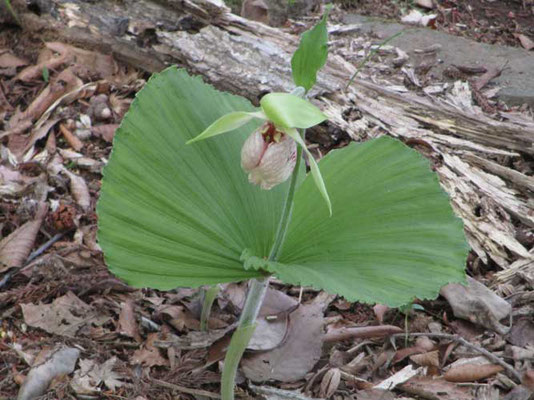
(392, 235)
(172, 214)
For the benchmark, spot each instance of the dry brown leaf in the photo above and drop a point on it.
(431, 388)
(528, 379)
(272, 321)
(39, 133)
(179, 318)
(429, 4)
(105, 132)
(87, 62)
(119, 105)
(51, 63)
(13, 183)
(297, 355)
(380, 310)
(525, 41)
(149, 355)
(375, 394)
(61, 361)
(471, 372)
(330, 383)
(422, 345)
(478, 304)
(65, 316)
(277, 303)
(233, 294)
(91, 375)
(430, 359)
(65, 82)
(8, 60)
(79, 190)
(15, 248)
(127, 321)
(522, 332)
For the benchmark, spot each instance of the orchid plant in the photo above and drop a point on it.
(179, 211)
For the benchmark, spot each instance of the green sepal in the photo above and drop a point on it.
(227, 123)
(288, 111)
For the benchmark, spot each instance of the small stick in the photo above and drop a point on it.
(461, 340)
(280, 393)
(183, 389)
(363, 332)
(71, 139)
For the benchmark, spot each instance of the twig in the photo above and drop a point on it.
(361, 332)
(284, 394)
(183, 389)
(44, 247)
(461, 340)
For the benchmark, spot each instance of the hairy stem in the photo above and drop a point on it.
(210, 295)
(255, 295)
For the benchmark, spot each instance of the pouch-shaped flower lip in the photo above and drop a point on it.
(269, 156)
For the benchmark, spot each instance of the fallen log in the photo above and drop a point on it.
(473, 153)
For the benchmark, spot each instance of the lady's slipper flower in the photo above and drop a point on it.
(269, 154)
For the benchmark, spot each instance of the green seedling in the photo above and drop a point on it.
(46, 74)
(406, 310)
(203, 188)
(10, 9)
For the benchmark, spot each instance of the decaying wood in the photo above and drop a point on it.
(249, 58)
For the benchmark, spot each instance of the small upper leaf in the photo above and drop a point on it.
(311, 55)
(288, 111)
(227, 123)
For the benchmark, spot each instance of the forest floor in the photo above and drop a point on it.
(505, 22)
(61, 310)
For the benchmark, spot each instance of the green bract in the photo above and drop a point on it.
(173, 215)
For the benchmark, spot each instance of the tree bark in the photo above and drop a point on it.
(471, 151)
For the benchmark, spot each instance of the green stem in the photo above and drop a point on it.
(255, 295)
(286, 212)
(210, 295)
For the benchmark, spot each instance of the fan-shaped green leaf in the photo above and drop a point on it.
(392, 236)
(172, 214)
(289, 111)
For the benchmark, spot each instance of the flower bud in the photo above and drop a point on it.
(269, 156)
